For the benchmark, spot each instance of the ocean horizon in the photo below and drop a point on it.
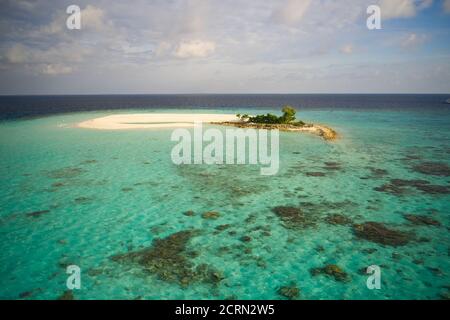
(19, 106)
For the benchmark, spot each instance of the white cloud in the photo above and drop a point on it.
(17, 54)
(195, 49)
(347, 49)
(391, 9)
(195, 14)
(94, 18)
(57, 26)
(162, 49)
(132, 50)
(149, 38)
(291, 12)
(25, 4)
(423, 4)
(447, 6)
(50, 61)
(55, 69)
(413, 40)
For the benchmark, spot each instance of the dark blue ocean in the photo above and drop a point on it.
(13, 107)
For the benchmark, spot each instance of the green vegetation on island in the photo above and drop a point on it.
(285, 122)
(288, 117)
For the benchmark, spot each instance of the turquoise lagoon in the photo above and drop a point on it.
(86, 197)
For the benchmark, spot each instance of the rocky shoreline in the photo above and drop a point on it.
(325, 132)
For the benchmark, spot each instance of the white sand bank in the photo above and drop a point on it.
(152, 120)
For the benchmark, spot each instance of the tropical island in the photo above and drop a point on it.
(285, 122)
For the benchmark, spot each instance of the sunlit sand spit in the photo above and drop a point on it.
(172, 120)
(153, 120)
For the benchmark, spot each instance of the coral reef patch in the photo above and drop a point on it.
(289, 292)
(333, 271)
(379, 233)
(294, 217)
(400, 187)
(211, 215)
(433, 168)
(421, 220)
(169, 259)
(338, 219)
(37, 214)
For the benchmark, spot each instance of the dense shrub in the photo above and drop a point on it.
(288, 117)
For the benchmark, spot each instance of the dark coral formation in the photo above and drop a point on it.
(168, 258)
(392, 189)
(211, 215)
(58, 184)
(324, 206)
(37, 214)
(377, 173)
(379, 233)
(251, 218)
(207, 274)
(223, 227)
(338, 219)
(332, 166)
(25, 295)
(165, 257)
(333, 271)
(90, 161)
(294, 217)
(433, 168)
(408, 183)
(411, 157)
(290, 292)
(266, 233)
(65, 173)
(421, 220)
(145, 183)
(67, 295)
(437, 271)
(315, 174)
(83, 199)
(308, 214)
(369, 250)
(401, 187)
(444, 296)
(434, 189)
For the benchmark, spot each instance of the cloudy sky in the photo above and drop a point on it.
(224, 46)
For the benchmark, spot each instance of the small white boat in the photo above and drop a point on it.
(447, 101)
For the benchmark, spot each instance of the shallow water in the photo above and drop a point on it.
(86, 197)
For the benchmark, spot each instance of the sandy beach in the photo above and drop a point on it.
(153, 120)
(173, 120)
